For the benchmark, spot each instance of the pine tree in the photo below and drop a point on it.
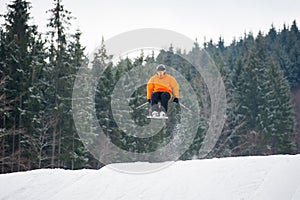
(75, 154)
(258, 89)
(281, 117)
(277, 110)
(18, 65)
(288, 52)
(61, 87)
(36, 104)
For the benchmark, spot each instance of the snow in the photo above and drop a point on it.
(241, 178)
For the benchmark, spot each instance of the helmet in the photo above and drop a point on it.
(160, 67)
(160, 70)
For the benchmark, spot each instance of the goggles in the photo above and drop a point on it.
(160, 73)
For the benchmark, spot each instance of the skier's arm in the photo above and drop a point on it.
(150, 87)
(175, 88)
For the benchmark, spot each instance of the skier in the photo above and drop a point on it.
(159, 89)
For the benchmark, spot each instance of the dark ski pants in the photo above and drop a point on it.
(162, 97)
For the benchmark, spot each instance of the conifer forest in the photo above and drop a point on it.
(261, 74)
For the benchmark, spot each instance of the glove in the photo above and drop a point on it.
(149, 100)
(176, 100)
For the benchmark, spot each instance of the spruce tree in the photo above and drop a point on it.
(75, 153)
(64, 70)
(260, 87)
(21, 44)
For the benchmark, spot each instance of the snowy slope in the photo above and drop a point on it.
(255, 178)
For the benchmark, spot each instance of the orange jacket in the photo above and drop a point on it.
(165, 84)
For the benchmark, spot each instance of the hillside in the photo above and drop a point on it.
(247, 178)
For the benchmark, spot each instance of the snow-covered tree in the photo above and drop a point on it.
(264, 98)
(21, 64)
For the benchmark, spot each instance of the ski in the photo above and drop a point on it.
(157, 117)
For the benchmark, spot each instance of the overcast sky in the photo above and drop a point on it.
(193, 18)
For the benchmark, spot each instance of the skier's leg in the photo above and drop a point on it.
(154, 102)
(165, 97)
(154, 98)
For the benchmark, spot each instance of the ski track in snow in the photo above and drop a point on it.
(241, 178)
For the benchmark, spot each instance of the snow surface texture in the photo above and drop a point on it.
(243, 178)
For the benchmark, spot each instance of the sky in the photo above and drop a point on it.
(201, 19)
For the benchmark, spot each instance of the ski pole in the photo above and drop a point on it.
(141, 105)
(185, 107)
